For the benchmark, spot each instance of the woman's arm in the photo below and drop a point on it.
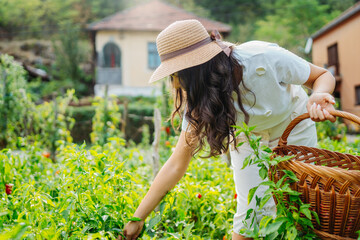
(322, 82)
(172, 171)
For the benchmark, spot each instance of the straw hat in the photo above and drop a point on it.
(185, 44)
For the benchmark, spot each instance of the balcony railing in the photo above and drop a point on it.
(108, 75)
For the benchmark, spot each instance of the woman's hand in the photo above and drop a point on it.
(132, 230)
(172, 171)
(319, 105)
(322, 82)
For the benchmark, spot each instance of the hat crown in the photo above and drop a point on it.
(179, 35)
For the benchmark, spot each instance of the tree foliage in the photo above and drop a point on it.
(36, 18)
(288, 22)
(293, 22)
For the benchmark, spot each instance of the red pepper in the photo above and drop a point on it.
(167, 129)
(198, 195)
(8, 188)
(46, 154)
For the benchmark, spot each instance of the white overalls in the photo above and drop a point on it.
(274, 75)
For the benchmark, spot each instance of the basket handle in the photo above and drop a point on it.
(293, 123)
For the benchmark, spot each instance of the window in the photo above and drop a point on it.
(153, 56)
(112, 55)
(357, 95)
(333, 59)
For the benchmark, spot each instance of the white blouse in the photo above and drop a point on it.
(274, 75)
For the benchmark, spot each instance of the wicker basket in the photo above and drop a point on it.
(329, 181)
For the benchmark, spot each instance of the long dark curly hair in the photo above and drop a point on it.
(208, 90)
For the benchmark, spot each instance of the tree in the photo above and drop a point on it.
(293, 22)
(18, 16)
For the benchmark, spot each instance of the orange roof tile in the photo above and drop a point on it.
(355, 9)
(152, 16)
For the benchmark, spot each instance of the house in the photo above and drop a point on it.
(336, 46)
(124, 47)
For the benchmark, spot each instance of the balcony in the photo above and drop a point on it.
(111, 76)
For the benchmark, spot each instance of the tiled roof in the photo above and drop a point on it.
(344, 16)
(152, 16)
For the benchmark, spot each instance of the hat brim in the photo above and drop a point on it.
(186, 60)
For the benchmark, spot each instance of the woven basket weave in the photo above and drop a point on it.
(329, 181)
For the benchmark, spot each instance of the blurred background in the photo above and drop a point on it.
(82, 133)
(107, 47)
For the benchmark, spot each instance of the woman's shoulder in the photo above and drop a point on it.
(257, 44)
(253, 48)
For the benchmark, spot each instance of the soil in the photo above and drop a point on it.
(31, 52)
(39, 52)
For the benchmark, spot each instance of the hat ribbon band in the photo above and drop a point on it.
(215, 36)
(185, 50)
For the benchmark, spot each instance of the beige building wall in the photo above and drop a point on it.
(134, 54)
(347, 37)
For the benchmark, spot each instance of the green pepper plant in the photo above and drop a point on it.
(293, 217)
(106, 121)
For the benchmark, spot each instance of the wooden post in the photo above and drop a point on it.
(3, 141)
(105, 117)
(54, 138)
(125, 118)
(26, 118)
(155, 144)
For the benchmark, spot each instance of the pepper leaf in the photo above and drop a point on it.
(134, 219)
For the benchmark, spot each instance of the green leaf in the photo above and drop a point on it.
(255, 138)
(134, 219)
(291, 175)
(246, 161)
(16, 233)
(162, 207)
(188, 229)
(248, 213)
(265, 221)
(150, 232)
(263, 172)
(266, 149)
(237, 127)
(155, 220)
(306, 211)
(279, 183)
(258, 200)
(175, 235)
(268, 183)
(272, 236)
(251, 128)
(4, 213)
(316, 217)
(251, 193)
(104, 217)
(264, 200)
(240, 144)
(273, 227)
(85, 229)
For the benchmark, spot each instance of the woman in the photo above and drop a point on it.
(223, 85)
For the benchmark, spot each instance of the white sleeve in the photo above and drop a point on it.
(289, 67)
(184, 124)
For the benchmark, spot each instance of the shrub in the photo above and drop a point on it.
(106, 121)
(138, 111)
(15, 104)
